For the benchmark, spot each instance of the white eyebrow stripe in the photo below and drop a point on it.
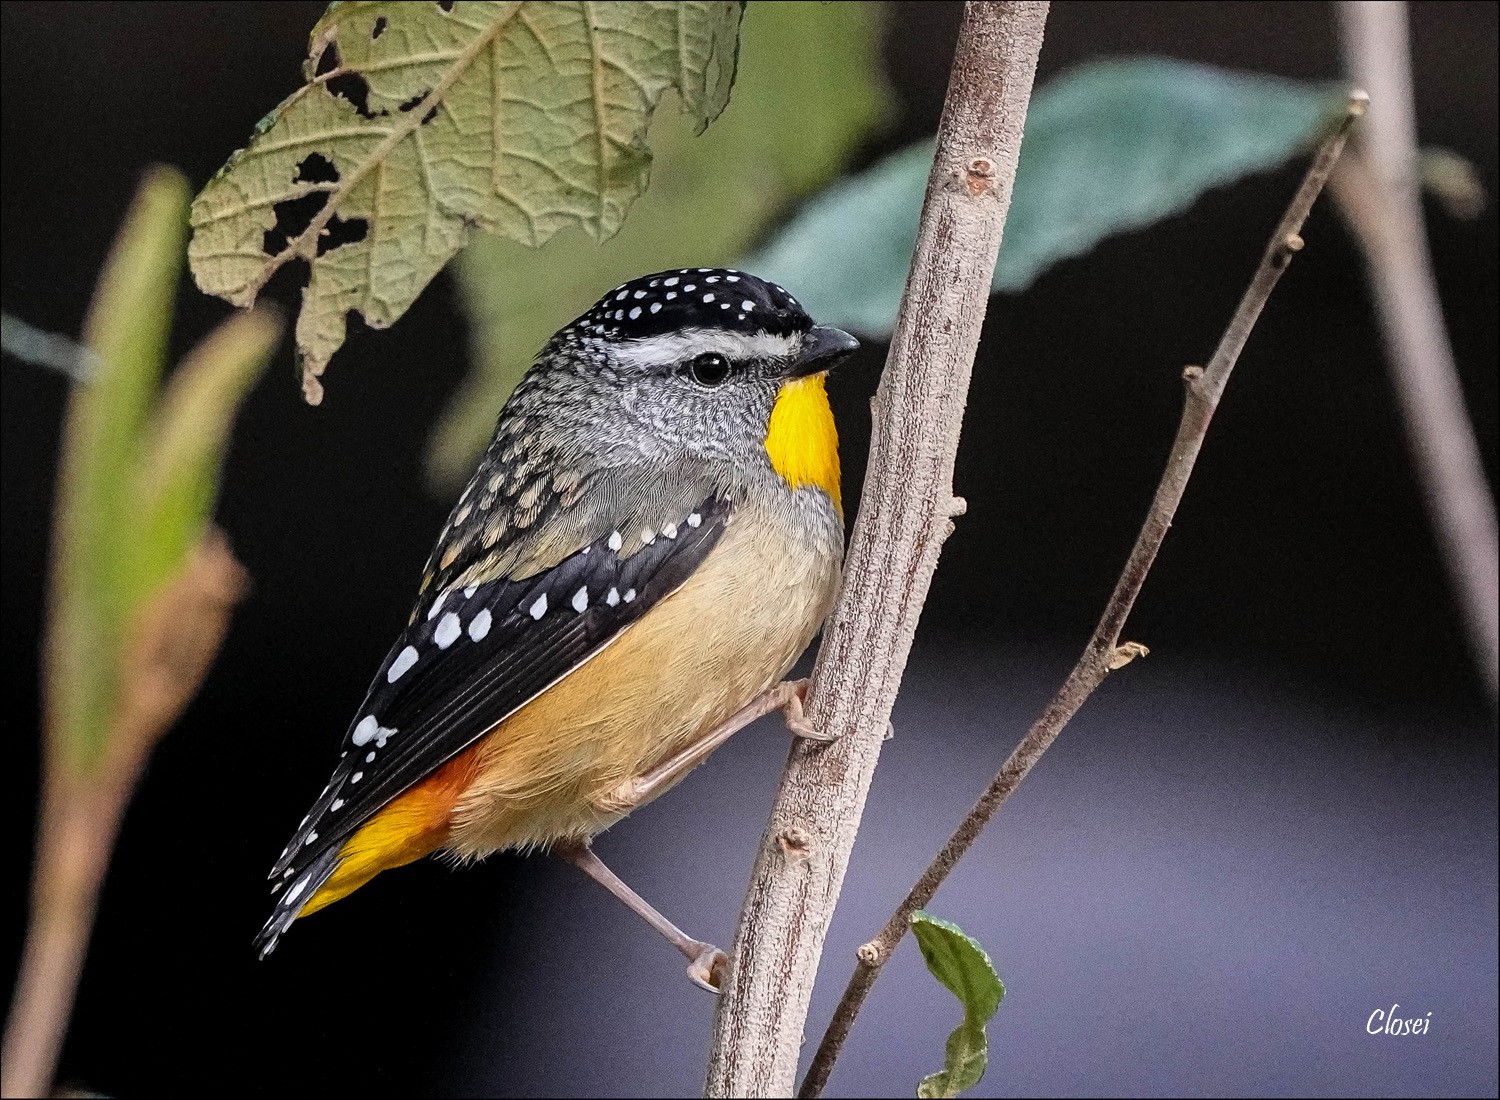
(670, 348)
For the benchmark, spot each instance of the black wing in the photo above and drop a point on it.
(477, 655)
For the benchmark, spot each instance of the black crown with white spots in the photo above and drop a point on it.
(690, 297)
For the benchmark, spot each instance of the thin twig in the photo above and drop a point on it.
(1379, 195)
(905, 513)
(1104, 652)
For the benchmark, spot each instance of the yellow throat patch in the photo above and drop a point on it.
(802, 440)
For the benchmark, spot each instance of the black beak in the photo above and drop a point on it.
(823, 348)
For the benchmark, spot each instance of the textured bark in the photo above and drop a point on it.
(904, 516)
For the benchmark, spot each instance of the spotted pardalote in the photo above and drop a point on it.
(652, 538)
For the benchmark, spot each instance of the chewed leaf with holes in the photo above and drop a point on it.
(421, 122)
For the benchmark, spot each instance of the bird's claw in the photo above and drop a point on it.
(796, 718)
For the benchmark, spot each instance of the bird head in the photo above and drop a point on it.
(701, 358)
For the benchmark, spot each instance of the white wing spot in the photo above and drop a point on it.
(671, 294)
(731, 278)
(670, 530)
(296, 891)
(689, 288)
(620, 297)
(437, 605)
(635, 311)
(401, 665)
(670, 282)
(356, 777)
(338, 804)
(310, 838)
(469, 590)
(648, 536)
(695, 520)
(711, 279)
(447, 632)
(655, 307)
(613, 597)
(538, 609)
(616, 541)
(481, 625)
(581, 599)
(369, 758)
(639, 294)
(747, 305)
(365, 732)
(629, 594)
(707, 298)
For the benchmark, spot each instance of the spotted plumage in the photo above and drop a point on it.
(617, 469)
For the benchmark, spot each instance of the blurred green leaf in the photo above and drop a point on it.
(1109, 147)
(127, 329)
(809, 88)
(137, 473)
(423, 122)
(184, 448)
(958, 961)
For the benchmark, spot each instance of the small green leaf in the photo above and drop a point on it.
(1109, 147)
(710, 197)
(422, 122)
(957, 960)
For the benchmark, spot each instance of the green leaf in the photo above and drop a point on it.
(958, 961)
(711, 196)
(127, 329)
(139, 466)
(421, 122)
(178, 478)
(1109, 147)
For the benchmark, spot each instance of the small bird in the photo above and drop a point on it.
(652, 538)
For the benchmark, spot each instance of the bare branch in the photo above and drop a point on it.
(904, 516)
(1379, 195)
(1104, 652)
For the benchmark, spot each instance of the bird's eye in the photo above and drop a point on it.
(709, 369)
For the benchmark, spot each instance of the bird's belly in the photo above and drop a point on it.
(549, 772)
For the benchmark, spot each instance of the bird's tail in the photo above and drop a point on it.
(294, 898)
(408, 828)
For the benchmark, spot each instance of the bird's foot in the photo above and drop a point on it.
(794, 715)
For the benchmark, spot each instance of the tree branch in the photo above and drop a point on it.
(1379, 195)
(1104, 652)
(905, 514)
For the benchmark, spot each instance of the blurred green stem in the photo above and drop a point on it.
(170, 642)
(79, 820)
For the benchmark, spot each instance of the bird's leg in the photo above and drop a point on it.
(786, 697)
(705, 961)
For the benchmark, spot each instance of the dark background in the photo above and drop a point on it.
(1281, 821)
